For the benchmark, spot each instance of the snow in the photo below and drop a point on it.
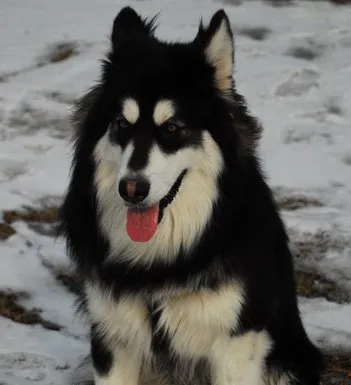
(297, 80)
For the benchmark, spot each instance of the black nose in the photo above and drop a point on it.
(133, 190)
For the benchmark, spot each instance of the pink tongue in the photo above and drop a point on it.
(142, 224)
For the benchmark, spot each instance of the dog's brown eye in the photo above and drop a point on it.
(172, 127)
(121, 123)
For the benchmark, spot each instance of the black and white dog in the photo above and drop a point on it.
(187, 275)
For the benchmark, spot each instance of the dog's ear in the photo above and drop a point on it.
(217, 43)
(129, 25)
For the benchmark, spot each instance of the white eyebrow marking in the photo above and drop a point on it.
(130, 110)
(163, 111)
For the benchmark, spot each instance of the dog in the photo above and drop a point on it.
(187, 276)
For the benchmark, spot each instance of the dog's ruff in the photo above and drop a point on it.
(210, 298)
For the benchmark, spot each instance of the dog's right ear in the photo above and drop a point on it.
(129, 25)
(217, 42)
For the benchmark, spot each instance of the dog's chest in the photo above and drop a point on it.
(187, 323)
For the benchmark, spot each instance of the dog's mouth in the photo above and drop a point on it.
(142, 222)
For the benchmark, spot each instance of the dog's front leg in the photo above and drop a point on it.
(113, 362)
(239, 360)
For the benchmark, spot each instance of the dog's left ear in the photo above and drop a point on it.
(129, 25)
(217, 42)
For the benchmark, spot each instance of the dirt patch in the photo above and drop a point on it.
(29, 214)
(65, 276)
(313, 285)
(6, 231)
(42, 220)
(10, 308)
(338, 369)
(305, 53)
(332, 105)
(312, 279)
(70, 281)
(255, 33)
(314, 246)
(58, 52)
(296, 202)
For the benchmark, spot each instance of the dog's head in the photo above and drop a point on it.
(159, 125)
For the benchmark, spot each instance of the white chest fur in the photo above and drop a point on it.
(192, 321)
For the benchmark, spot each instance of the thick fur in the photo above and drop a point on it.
(210, 299)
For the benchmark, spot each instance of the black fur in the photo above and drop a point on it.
(100, 354)
(245, 238)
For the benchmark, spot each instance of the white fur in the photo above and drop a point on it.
(240, 360)
(130, 110)
(126, 321)
(126, 330)
(278, 378)
(124, 371)
(163, 111)
(219, 53)
(198, 324)
(123, 159)
(184, 219)
(83, 372)
(195, 320)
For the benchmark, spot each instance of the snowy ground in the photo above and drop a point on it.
(294, 66)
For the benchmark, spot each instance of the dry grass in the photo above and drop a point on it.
(70, 281)
(312, 285)
(313, 246)
(41, 220)
(296, 202)
(46, 214)
(6, 231)
(338, 369)
(10, 308)
(58, 52)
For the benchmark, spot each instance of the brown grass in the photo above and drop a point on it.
(46, 214)
(70, 281)
(312, 285)
(10, 308)
(6, 231)
(37, 218)
(58, 52)
(297, 202)
(338, 369)
(313, 246)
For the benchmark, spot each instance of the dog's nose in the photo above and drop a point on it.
(133, 190)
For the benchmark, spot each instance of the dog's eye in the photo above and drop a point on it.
(120, 123)
(172, 127)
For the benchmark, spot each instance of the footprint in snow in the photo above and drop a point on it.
(347, 159)
(27, 368)
(11, 169)
(298, 83)
(253, 32)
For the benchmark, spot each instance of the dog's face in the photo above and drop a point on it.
(157, 157)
